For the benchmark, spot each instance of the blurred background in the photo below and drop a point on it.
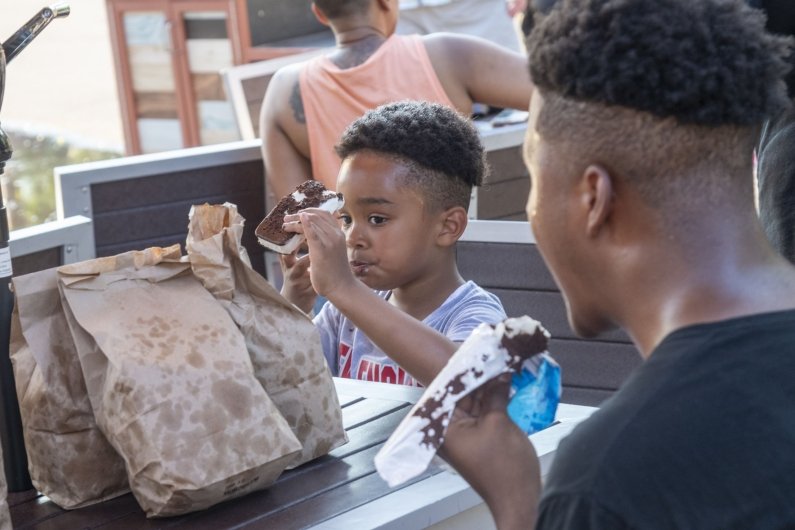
(60, 106)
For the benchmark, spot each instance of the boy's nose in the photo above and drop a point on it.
(354, 237)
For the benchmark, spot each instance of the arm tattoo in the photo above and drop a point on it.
(297, 104)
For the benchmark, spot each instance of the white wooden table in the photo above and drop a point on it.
(443, 500)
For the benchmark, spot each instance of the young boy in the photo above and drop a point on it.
(406, 177)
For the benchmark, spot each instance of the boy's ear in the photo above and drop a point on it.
(453, 223)
(319, 15)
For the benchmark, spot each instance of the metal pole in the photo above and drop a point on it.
(14, 457)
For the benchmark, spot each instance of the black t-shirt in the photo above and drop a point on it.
(702, 435)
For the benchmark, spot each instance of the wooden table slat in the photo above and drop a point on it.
(369, 409)
(306, 494)
(332, 503)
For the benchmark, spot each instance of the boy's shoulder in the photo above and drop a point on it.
(472, 296)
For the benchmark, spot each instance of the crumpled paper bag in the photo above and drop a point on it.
(171, 382)
(283, 342)
(69, 459)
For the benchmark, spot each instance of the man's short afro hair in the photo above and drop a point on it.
(433, 136)
(702, 62)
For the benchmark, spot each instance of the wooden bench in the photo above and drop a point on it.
(51, 244)
(142, 201)
(502, 257)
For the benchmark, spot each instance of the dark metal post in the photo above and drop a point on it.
(14, 457)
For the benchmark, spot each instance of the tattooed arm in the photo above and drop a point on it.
(285, 145)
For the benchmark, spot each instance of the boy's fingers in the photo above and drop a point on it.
(292, 226)
(318, 228)
(302, 263)
(307, 226)
(288, 260)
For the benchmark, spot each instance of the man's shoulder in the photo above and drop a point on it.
(470, 293)
(283, 103)
(287, 75)
(448, 42)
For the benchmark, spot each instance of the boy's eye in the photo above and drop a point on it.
(376, 219)
(346, 219)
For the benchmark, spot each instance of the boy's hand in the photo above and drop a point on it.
(330, 270)
(297, 287)
(495, 456)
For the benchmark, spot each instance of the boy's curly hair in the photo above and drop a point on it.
(441, 148)
(700, 62)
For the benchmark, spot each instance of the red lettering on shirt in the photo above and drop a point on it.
(372, 370)
(345, 361)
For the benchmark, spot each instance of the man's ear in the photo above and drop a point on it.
(597, 197)
(319, 15)
(453, 223)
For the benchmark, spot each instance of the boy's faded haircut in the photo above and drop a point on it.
(659, 88)
(440, 148)
(341, 8)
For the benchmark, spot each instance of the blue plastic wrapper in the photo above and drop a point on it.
(535, 392)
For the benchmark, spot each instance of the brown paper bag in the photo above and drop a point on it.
(69, 458)
(283, 342)
(5, 515)
(171, 382)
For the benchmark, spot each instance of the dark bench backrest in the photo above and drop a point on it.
(144, 201)
(503, 194)
(502, 258)
(51, 244)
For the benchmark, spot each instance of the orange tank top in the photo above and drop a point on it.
(333, 98)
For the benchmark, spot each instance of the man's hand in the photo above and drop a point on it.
(495, 456)
(297, 287)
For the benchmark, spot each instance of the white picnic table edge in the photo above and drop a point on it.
(445, 494)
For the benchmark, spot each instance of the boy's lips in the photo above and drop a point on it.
(359, 267)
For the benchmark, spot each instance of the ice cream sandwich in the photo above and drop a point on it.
(309, 194)
(489, 351)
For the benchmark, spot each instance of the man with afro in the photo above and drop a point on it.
(640, 139)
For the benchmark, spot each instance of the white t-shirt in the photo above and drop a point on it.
(350, 353)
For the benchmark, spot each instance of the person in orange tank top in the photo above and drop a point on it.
(308, 105)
